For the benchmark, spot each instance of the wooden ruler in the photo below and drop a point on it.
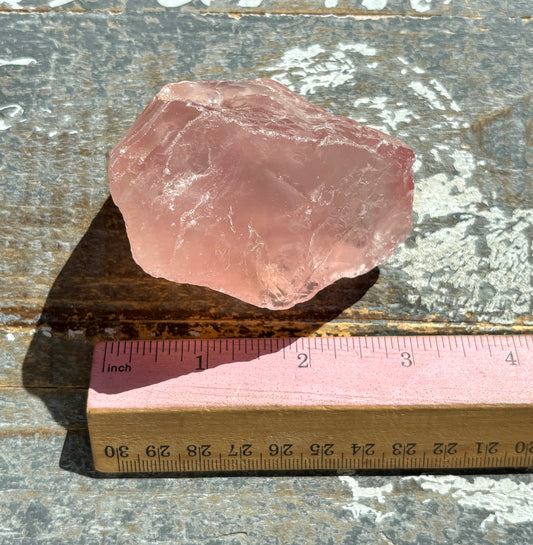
(363, 403)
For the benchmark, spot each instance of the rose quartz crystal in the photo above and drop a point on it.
(248, 189)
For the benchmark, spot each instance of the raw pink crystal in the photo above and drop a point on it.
(248, 189)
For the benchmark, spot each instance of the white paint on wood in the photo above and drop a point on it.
(457, 202)
(506, 501)
(250, 3)
(422, 6)
(58, 3)
(465, 163)
(444, 92)
(12, 4)
(307, 69)
(12, 113)
(23, 61)
(9, 115)
(412, 66)
(331, 3)
(361, 48)
(374, 4)
(367, 500)
(173, 3)
(425, 92)
(392, 115)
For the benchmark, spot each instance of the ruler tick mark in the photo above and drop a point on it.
(488, 346)
(412, 354)
(463, 346)
(103, 360)
(516, 351)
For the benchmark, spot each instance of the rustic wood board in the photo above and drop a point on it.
(365, 8)
(73, 76)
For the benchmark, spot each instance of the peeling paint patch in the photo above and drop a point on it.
(391, 116)
(361, 48)
(173, 3)
(468, 224)
(23, 61)
(374, 4)
(444, 92)
(57, 3)
(506, 501)
(306, 69)
(250, 3)
(9, 115)
(367, 500)
(425, 92)
(464, 163)
(12, 4)
(422, 6)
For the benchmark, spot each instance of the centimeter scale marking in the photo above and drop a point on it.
(364, 403)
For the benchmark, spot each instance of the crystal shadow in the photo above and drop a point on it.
(101, 294)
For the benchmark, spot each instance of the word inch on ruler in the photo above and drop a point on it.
(374, 403)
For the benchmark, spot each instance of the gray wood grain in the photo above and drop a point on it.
(67, 504)
(464, 109)
(367, 8)
(73, 77)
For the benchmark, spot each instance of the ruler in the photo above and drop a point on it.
(357, 403)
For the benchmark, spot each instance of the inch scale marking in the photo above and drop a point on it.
(364, 403)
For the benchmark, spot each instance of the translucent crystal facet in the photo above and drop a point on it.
(248, 189)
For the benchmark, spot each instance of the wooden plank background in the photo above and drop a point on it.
(452, 79)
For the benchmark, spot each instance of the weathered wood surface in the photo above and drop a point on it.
(416, 8)
(74, 75)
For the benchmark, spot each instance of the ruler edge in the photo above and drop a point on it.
(100, 419)
(100, 347)
(306, 408)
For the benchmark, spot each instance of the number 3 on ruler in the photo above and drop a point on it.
(407, 359)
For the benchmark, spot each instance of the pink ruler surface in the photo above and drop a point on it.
(355, 371)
